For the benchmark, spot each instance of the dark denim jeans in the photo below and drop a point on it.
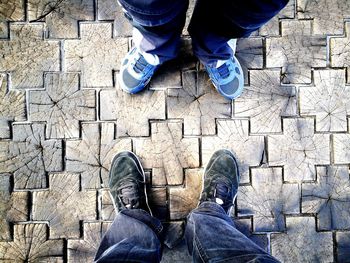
(210, 236)
(213, 23)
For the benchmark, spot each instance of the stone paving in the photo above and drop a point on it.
(63, 118)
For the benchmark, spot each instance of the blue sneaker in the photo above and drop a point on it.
(227, 77)
(137, 70)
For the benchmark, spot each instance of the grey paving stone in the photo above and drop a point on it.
(341, 148)
(343, 241)
(10, 10)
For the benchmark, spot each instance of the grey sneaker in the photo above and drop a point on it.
(221, 179)
(127, 183)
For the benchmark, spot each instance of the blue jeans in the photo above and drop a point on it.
(210, 234)
(213, 23)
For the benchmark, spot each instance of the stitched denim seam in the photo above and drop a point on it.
(200, 249)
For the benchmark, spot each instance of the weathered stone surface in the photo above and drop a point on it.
(343, 242)
(299, 149)
(132, 112)
(233, 135)
(265, 101)
(197, 103)
(96, 54)
(167, 77)
(27, 55)
(10, 10)
(301, 243)
(13, 206)
(341, 148)
(329, 197)
(328, 16)
(169, 150)
(30, 244)
(61, 16)
(29, 156)
(328, 100)
(92, 155)
(84, 250)
(183, 200)
(63, 205)
(12, 106)
(268, 199)
(62, 105)
(296, 51)
(107, 207)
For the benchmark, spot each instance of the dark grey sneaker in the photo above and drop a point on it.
(221, 180)
(127, 183)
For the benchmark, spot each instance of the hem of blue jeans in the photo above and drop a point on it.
(213, 206)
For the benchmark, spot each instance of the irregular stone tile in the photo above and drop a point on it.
(29, 156)
(167, 77)
(107, 207)
(197, 103)
(174, 232)
(96, 54)
(62, 105)
(296, 51)
(10, 10)
(183, 200)
(301, 242)
(177, 254)
(158, 177)
(61, 16)
(343, 246)
(169, 150)
(268, 199)
(328, 16)
(341, 148)
(233, 135)
(157, 199)
(84, 250)
(132, 112)
(328, 100)
(12, 106)
(265, 101)
(92, 155)
(64, 205)
(30, 244)
(299, 149)
(13, 206)
(27, 55)
(329, 197)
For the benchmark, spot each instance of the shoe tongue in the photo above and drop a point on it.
(219, 63)
(130, 196)
(150, 58)
(221, 193)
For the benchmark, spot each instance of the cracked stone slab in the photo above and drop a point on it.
(328, 100)
(328, 16)
(197, 103)
(63, 205)
(329, 197)
(84, 250)
(341, 148)
(298, 149)
(27, 55)
(13, 206)
(12, 106)
(296, 51)
(96, 64)
(265, 101)
(301, 242)
(30, 244)
(92, 154)
(132, 112)
(10, 11)
(268, 199)
(343, 246)
(62, 105)
(168, 150)
(61, 16)
(183, 200)
(29, 156)
(233, 135)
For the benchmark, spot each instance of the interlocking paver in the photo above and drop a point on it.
(29, 156)
(299, 149)
(329, 197)
(197, 103)
(296, 51)
(12, 106)
(268, 199)
(341, 148)
(10, 10)
(265, 101)
(234, 135)
(343, 241)
(328, 100)
(27, 55)
(96, 54)
(92, 155)
(301, 242)
(244, 225)
(62, 105)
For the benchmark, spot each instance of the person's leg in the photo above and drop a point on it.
(134, 235)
